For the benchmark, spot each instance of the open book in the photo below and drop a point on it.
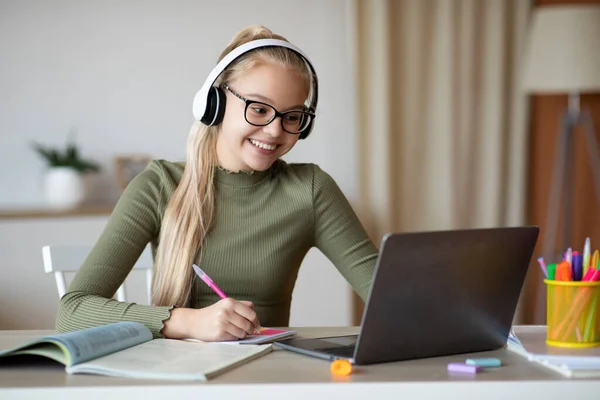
(126, 349)
(530, 342)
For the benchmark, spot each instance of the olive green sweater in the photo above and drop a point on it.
(265, 222)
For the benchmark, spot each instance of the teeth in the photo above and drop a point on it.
(263, 145)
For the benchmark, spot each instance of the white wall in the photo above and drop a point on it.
(123, 75)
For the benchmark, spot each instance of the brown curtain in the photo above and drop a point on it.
(442, 121)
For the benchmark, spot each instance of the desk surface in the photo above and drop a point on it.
(283, 373)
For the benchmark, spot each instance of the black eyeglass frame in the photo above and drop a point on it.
(248, 102)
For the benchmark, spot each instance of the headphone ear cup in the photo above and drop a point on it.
(220, 107)
(306, 131)
(215, 106)
(304, 134)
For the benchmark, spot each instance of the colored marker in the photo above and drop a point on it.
(593, 275)
(463, 368)
(484, 362)
(569, 256)
(543, 266)
(588, 275)
(594, 262)
(564, 271)
(551, 272)
(577, 266)
(586, 255)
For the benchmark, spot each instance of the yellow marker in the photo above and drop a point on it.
(595, 258)
(341, 367)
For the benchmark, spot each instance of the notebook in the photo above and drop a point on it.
(266, 335)
(530, 342)
(126, 349)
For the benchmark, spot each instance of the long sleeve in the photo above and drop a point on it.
(340, 235)
(134, 223)
(264, 224)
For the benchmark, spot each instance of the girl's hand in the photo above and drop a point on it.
(228, 319)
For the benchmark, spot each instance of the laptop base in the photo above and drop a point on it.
(328, 348)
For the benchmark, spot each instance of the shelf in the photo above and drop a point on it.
(28, 212)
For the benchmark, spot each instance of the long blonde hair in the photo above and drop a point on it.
(189, 214)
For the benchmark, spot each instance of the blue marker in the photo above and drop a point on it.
(484, 362)
(577, 266)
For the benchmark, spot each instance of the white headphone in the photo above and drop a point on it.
(209, 102)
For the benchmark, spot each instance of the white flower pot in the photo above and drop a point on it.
(64, 187)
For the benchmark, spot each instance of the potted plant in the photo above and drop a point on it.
(63, 181)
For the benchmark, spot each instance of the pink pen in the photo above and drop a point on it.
(215, 288)
(208, 281)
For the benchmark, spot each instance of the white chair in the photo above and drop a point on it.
(61, 259)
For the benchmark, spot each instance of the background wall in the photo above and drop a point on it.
(122, 74)
(546, 114)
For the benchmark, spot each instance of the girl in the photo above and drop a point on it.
(235, 208)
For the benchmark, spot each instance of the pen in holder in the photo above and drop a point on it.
(572, 313)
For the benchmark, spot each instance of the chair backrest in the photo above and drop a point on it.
(61, 259)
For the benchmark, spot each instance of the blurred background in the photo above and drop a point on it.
(433, 114)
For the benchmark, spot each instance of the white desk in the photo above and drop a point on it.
(291, 376)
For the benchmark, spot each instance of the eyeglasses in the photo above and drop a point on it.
(261, 114)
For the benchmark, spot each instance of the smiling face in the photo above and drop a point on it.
(242, 146)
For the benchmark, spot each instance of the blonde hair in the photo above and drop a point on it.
(189, 214)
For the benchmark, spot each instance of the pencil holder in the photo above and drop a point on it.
(572, 313)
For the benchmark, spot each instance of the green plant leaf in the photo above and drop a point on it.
(70, 157)
(72, 153)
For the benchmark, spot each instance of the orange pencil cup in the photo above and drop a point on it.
(573, 313)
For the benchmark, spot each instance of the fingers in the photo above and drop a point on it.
(229, 325)
(248, 303)
(226, 337)
(248, 313)
(236, 318)
(239, 326)
(234, 331)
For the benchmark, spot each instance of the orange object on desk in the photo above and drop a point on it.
(341, 367)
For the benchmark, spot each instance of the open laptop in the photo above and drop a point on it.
(435, 294)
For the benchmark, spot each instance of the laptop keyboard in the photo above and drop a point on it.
(341, 351)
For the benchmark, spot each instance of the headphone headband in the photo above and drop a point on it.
(200, 107)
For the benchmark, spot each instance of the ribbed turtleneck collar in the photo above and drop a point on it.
(241, 178)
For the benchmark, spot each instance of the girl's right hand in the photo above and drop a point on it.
(228, 319)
